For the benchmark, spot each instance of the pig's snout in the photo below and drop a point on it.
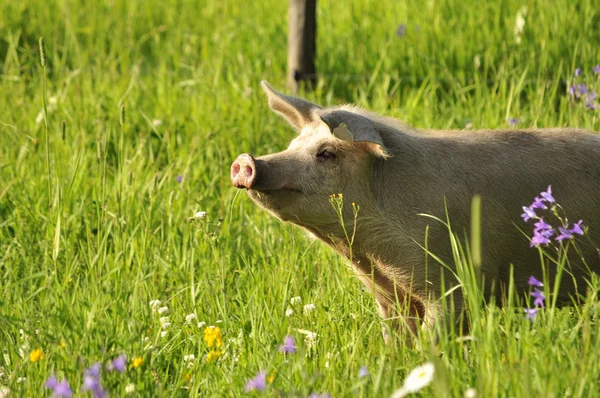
(243, 171)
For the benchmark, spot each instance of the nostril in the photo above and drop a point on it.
(248, 170)
(235, 169)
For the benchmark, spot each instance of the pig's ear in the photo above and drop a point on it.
(296, 111)
(353, 127)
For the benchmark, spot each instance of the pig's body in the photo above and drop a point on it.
(396, 173)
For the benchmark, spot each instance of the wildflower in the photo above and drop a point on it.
(308, 308)
(577, 228)
(289, 312)
(212, 336)
(564, 234)
(179, 178)
(21, 380)
(417, 379)
(157, 122)
(187, 377)
(189, 318)
(547, 195)
(520, 24)
(258, 382)
(512, 122)
(401, 30)
(528, 214)
(155, 305)
(4, 392)
(163, 310)
(310, 338)
(596, 69)
(63, 344)
(213, 355)
(534, 282)
(363, 372)
(539, 297)
(577, 72)
(296, 300)
(542, 225)
(137, 362)
(470, 393)
(91, 381)
(540, 238)
(166, 325)
(315, 395)
(119, 364)
(201, 324)
(189, 360)
(538, 203)
(271, 377)
(200, 215)
(36, 355)
(288, 346)
(59, 388)
(530, 313)
(130, 388)
(164, 333)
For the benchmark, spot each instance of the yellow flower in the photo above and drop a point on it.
(187, 377)
(137, 362)
(212, 336)
(213, 355)
(63, 345)
(271, 377)
(36, 355)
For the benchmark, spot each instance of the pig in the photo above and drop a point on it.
(395, 174)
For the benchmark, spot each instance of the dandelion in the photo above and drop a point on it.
(59, 388)
(296, 300)
(534, 282)
(119, 364)
(213, 337)
(401, 30)
(530, 313)
(212, 356)
(137, 362)
(288, 346)
(163, 310)
(155, 305)
(363, 372)
(416, 380)
(130, 388)
(190, 318)
(36, 355)
(308, 308)
(258, 382)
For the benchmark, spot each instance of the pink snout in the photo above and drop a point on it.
(243, 171)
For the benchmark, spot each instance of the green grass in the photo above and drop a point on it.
(87, 240)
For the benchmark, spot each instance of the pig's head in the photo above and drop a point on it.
(332, 154)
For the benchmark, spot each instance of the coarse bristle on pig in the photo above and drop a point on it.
(395, 174)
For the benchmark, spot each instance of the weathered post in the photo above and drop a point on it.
(302, 37)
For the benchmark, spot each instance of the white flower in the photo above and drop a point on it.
(188, 358)
(309, 308)
(166, 325)
(189, 318)
(163, 310)
(418, 378)
(289, 312)
(164, 319)
(201, 324)
(4, 392)
(310, 338)
(164, 333)
(146, 339)
(129, 388)
(154, 305)
(21, 379)
(470, 393)
(200, 215)
(520, 24)
(219, 321)
(295, 300)
(156, 122)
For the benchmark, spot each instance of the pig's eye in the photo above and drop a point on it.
(325, 154)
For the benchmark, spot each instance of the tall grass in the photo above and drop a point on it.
(77, 276)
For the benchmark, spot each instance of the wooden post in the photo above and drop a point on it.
(302, 37)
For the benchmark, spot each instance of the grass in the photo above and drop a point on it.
(91, 235)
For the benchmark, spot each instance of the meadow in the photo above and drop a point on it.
(109, 152)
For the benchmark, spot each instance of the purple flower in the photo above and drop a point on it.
(315, 395)
(94, 370)
(538, 203)
(572, 90)
(528, 214)
(577, 228)
(548, 195)
(534, 282)
(542, 225)
(596, 69)
(539, 297)
(577, 72)
(590, 104)
(179, 178)
(401, 30)
(59, 388)
(363, 372)
(119, 364)
(91, 381)
(512, 122)
(564, 234)
(540, 238)
(530, 313)
(258, 382)
(288, 346)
